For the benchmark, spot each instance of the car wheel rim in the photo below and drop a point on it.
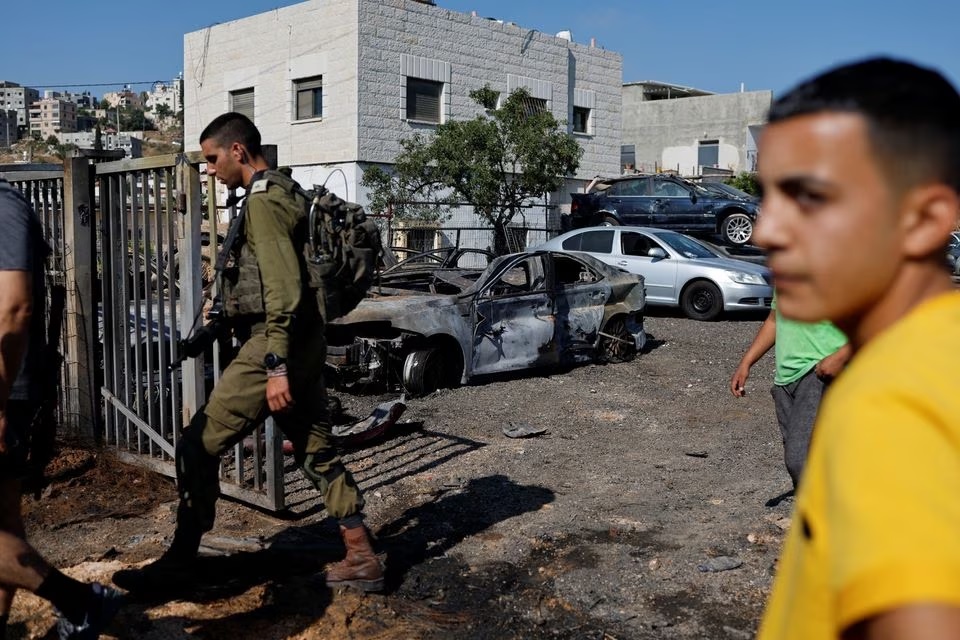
(703, 301)
(739, 230)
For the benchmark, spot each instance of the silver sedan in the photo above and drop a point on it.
(678, 270)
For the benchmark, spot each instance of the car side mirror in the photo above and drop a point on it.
(657, 253)
(693, 197)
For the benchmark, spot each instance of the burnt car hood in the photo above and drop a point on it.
(407, 311)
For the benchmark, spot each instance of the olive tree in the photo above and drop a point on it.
(498, 162)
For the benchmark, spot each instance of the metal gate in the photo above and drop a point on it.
(134, 283)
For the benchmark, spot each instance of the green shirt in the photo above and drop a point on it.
(801, 345)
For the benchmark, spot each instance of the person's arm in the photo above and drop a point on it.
(270, 233)
(831, 366)
(16, 307)
(762, 342)
(926, 621)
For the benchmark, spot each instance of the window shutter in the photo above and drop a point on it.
(243, 102)
(423, 100)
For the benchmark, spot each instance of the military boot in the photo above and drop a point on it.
(361, 568)
(174, 570)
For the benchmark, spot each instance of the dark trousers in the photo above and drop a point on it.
(235, 408)
(797, 404)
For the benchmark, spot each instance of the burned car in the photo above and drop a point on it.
(431, 328)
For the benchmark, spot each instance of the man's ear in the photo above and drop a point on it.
(239, 152)
(930, 213)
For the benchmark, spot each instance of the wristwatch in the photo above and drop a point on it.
(272, 361)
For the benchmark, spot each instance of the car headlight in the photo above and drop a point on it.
(746, 278)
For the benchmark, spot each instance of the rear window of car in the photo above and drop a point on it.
(592, 241)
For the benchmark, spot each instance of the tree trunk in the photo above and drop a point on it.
(500, 244)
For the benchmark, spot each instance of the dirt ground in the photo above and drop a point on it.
(610, 525)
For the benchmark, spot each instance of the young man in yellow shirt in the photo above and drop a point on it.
(860, 169)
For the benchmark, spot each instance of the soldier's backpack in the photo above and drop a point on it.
(341, 252)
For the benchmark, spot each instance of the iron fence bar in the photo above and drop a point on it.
(142, 426)
(151, 260)
(104, 257)
(124, 308)
(163, 379)
(176, 414)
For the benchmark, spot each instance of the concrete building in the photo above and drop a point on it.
(131, 144)
(13, 96)
(125, 98)
(167, 94)
(8, 127)
(52, 117)
(337, 84)
(673, 128)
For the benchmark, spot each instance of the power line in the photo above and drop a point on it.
(90, 84)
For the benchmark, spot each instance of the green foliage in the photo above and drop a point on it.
(498, 163)
(53, 140)
(133, 119)
(745, 181)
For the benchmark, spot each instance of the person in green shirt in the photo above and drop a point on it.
(807, 357)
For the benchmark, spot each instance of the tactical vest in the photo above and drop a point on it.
(338, 248)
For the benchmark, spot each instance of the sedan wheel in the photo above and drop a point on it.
(609, 221)
(618, 344)
(422, 371)
(702, 301)
(737, 229)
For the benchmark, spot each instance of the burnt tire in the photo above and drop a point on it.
(737, 229)
(702, 300)
(618, 345)
(422, 371)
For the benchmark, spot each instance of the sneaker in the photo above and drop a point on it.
(106, 603)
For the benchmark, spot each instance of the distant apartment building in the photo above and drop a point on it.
(8, 127)
(385, 70)
(669, 127)
(125, 98)
(131, 145)
(13, 96)
(52, 117)
(167, 94)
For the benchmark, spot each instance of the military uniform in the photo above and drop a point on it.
(271, 311)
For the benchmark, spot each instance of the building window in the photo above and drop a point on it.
(241, 101)
(423, 100)
(708, 155)
(309, 97)
(420, 238)
(534, 106)
(581, 120)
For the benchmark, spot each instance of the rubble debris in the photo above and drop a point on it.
(720, 563)
(522, 430)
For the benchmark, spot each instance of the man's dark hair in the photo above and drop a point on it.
(233, 127)
(912, 114)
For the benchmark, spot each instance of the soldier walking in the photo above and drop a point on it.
(278, 370)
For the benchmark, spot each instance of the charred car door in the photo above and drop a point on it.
(580, 297)
(513, 316)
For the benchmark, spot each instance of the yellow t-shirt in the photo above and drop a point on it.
(877, 520)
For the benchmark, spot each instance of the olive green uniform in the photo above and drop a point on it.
(265, 303)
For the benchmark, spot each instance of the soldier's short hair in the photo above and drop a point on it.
(912, 115)
(233, 127)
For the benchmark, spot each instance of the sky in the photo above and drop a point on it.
(710, 45)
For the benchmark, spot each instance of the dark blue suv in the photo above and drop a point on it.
(663, 201)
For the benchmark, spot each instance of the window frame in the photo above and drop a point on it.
(313, 85)
(587, 121)
(243, 93)
(411, 99)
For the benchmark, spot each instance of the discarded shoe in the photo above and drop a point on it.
(105, 604)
